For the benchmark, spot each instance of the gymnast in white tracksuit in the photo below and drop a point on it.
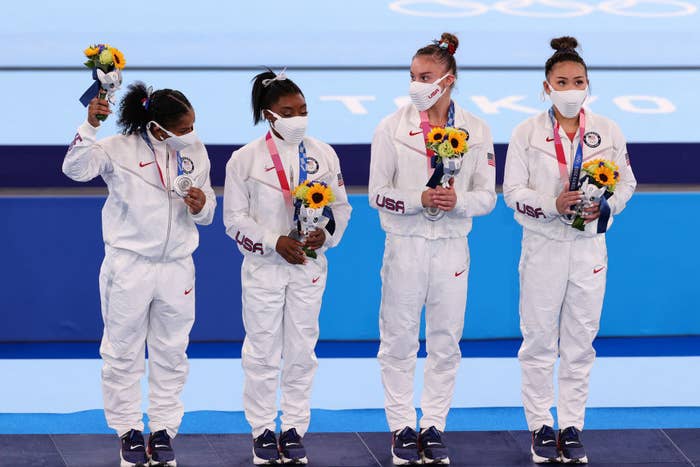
(562, 269)
(147, 279)
(426, 257)
(282, 287)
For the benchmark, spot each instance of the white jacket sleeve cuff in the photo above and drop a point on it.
(88, 130)
(270, 242)
(550, 207)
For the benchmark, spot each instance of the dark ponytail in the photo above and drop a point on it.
(136, 109)
(442, 51)
(264, 96)
(565, 51)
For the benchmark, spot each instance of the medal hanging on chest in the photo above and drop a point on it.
(183, 182)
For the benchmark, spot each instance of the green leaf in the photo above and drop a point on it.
(90, 64)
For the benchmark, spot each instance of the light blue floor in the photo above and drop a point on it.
(625, 392)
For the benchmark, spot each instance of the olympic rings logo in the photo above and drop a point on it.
(544, 8)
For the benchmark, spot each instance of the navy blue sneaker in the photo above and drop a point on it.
(544, 445)
(160, 451)
(571, 447)
(291, 448)
(404, 447)
(432, 449)
(265, 450)
(133, 452)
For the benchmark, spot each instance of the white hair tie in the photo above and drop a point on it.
(281, 76)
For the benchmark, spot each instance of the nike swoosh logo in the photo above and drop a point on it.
(549, 139)
(457, 274)
(571, 442)
(161, 446)
(187, 292)
(265, 445)
(136, 447)
(430, 443)
(144, 164)
(313, 281)
(414, 133)
(597, 270)
(267, 169)
(293, 444)
(407, 445)
(548, 441)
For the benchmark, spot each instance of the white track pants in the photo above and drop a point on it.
(417, 272)
(281, 304)
(562, 285)
(145, 301)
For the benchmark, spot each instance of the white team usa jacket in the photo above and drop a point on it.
(255, 211)
(532, 180)
(399, 171)
(142, 214)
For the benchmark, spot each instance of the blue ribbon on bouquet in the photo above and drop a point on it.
(92, 91)
(605, 211)
(435, 161)
(604, 214)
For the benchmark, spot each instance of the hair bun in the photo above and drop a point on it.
(564, 43)
(451, 42)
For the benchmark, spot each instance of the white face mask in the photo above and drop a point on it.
(425, 95)
(175, 142)
(291, 129)
(568, 103)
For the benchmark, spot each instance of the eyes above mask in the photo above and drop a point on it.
(291, 129)
(178, 142)
(568, 103)
(425, 95)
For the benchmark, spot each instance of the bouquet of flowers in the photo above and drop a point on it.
(106, 64)
(598, 181)
(312, 211)
(449, 145)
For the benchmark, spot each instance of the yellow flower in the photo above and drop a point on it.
(318, 196)
(604, 176)
(119, 60)
(436, 135)
(92, 51)
(458, 141)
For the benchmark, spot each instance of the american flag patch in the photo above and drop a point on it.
(627, 158)
(340, 179)
(491, 158)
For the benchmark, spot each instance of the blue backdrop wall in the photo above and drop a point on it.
(53, 250)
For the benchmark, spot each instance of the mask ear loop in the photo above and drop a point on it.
(543, 94)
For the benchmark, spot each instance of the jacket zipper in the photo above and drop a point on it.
(170, 203)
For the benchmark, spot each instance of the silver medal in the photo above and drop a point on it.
(433, 213)
(182, 185)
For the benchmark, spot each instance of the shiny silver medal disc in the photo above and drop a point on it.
(182, 184)
(433, 213)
